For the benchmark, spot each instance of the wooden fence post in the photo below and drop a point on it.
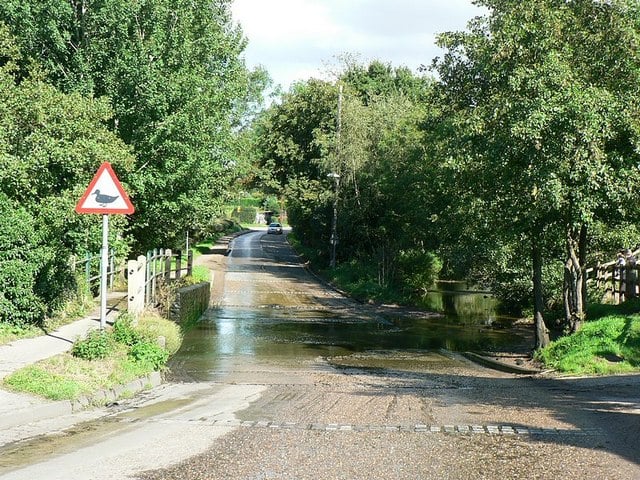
(190, 262)
(147, 283)
(178, 264)
(630, 287)
(167, 265)
(135, 288)
(620, 284)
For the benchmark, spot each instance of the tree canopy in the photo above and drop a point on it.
(158, 88)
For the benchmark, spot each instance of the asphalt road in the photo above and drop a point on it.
(245, 404)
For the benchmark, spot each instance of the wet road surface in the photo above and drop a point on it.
(287, 379)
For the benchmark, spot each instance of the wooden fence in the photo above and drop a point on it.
(147, 274)
(618, 282)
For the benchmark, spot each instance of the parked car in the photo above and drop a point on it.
(275, 228)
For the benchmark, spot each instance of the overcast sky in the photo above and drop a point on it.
(300, 39)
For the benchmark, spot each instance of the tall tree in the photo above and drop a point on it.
(175, 77)
(51, 144)
(542, 125)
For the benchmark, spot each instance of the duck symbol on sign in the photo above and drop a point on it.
(103, 199)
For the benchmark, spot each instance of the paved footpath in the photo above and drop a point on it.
(20, 409)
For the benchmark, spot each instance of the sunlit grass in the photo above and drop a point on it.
(610, 345)
(9, 332)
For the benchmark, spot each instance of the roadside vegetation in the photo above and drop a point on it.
(102, 360)
(609, 344)
(157, 89)
(512, 168)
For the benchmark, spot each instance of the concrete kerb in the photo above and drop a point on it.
(53, 409)
(501, 366)
(227, 240)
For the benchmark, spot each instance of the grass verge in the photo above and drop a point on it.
(606, 346)
(9, 332)
(102, 360)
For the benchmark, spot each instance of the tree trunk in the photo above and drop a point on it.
(582, 256)
(541, 332)
(573, 283)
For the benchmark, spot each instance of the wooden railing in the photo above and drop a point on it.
(618, 282)
(146, 274)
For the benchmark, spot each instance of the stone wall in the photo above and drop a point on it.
(190, 303)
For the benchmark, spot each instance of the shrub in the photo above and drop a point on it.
(418, 270)
(97, 344)
(124, 332)
(149, 353)
(22, 258)
(244, 215)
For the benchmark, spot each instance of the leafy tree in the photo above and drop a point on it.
(366, 130)
(543, 127)
(51, 145)
(174, 75)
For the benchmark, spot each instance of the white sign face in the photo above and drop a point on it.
(105, 194)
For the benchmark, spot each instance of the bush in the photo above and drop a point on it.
(124, 332)
(150, 354)
(244, 215)
(97, 344)
(22, 258)
(418, 270)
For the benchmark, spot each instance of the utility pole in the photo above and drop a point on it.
(334, 222)
(336, 177)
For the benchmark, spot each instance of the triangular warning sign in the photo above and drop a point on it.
(105, 194)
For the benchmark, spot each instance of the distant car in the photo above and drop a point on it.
(275, 228)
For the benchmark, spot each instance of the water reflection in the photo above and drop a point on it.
(460, 301)
(227, 338)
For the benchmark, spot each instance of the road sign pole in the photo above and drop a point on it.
(103, 271)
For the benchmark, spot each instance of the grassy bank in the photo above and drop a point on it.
(102, 360)
(607, 344)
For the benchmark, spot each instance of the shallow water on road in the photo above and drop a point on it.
(230, 336)
(274, 311)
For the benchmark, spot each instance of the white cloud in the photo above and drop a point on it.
(295, 39)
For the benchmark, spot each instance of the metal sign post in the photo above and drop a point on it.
(104, 265)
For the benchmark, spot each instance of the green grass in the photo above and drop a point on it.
(9, 332)
(67, 377)
(609, 345)
(200, 274)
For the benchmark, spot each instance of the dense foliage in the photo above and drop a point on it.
(515, 167)
(157, 88)
(50, 144)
